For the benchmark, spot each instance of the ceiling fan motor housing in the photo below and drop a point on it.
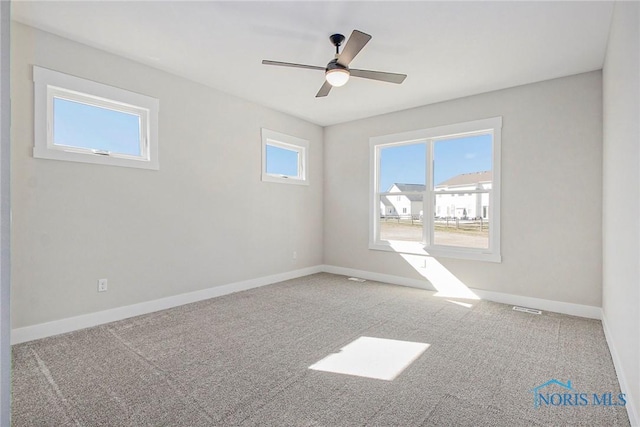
(337, 71)
(335, 65)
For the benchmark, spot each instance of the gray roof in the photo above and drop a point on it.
(408, 188)
(468, 179)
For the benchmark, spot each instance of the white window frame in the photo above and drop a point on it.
(49, 84)
(429, 137)
(287, 142)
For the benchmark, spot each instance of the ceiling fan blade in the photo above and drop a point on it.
(324, 90)
(379, 75)
(290, 64)
(354, 45)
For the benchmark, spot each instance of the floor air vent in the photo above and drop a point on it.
(356, 279)
(526, 310)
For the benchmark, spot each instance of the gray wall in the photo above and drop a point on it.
(551, 189)
(5, 218)
(204, 219)
(621, 196)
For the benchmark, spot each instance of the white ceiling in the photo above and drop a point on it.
(447, 49)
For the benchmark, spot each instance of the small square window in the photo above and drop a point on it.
(83, 121)
(282, 161)
(284, 158)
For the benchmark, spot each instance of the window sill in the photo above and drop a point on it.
(414, 248)
(52, 154)
(282, 180)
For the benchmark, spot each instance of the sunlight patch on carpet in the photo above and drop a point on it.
(378, 358)
(463, 304)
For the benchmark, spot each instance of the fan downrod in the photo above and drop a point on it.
(337, 71)
(336, 40)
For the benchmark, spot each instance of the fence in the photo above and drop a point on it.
(405, 219)
(476, 224)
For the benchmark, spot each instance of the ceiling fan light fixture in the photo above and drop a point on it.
(337, 71)
(337, 77)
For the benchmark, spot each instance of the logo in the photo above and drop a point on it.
(568, 396)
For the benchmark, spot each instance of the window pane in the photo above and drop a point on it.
(401, 217)
(403, 165)
(462, 221)
(462, 163)
(281, 161)
(86, 126)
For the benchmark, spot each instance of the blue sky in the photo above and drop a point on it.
(80, 125)
(281, 161)
(407, 163)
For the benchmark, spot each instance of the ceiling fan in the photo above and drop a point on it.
(337, 71)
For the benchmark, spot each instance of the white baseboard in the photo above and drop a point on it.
(572, 309)
(61, 326)
(541, 304)
(43, 330)
(378, 277)
(632, 411)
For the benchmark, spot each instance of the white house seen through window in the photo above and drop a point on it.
(445, 183)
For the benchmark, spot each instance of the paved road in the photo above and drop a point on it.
(413, 233)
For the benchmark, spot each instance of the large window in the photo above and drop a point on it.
(84, 121)
(437, 191)
(284, 158)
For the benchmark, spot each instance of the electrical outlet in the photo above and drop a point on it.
(295, 255)
(102, 285)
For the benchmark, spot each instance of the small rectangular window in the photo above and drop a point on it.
(84, 121)
(284, 158)
(84, 126)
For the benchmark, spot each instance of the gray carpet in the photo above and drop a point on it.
(243, 359)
